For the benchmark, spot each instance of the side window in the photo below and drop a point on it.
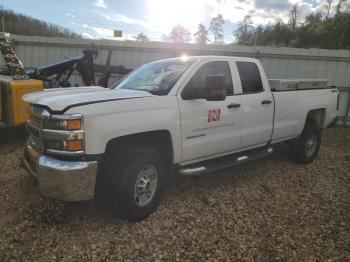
(250, 77)
(212, 68)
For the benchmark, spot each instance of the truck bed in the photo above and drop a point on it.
(291, 105)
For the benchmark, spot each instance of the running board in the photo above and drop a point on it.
(224, 162)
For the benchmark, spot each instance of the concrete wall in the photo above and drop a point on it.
(333, 65)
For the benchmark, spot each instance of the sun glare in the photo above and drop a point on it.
(184, 57)
(165, 14)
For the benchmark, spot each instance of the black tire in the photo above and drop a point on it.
(125, 173)
(300, 149)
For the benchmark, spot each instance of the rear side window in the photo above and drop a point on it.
(250, 77)
(212, 68)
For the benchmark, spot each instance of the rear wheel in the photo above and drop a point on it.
(137, 183)
(305, 148)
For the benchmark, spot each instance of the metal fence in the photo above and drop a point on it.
(333, 65)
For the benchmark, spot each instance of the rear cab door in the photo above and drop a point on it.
(257, 103)
(210, 128)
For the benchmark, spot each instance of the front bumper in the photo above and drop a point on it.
(63, 180)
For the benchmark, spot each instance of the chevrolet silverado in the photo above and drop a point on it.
(188, 116)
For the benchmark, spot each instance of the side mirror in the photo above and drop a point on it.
(215, 89)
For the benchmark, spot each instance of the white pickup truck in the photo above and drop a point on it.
(187, 115)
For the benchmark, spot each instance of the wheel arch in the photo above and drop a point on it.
(316, 116)
(158, 139)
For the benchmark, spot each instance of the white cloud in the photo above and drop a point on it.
(86, 35)
(106, 33)
(100, 3)
(125, 19)
(234, 10)
(163, 15)
(100, 32)
(321, 6)
(103, 32)
(70, 15)
(262, 11)
(128, 37)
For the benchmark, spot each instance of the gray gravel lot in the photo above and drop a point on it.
(267, 210)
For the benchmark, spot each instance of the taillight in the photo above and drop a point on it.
(338, 101)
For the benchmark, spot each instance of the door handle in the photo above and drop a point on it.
(266, 102)
(233, 105)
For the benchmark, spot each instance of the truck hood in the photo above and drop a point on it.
(61, 99)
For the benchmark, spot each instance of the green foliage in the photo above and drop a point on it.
(179, 34)
(24, 25)
(215, 27)
(245, 32)
(201, 35)
(332, 33)
(316, 32)
(272, 35)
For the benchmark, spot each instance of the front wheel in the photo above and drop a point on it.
(305, 148)
(138, 183)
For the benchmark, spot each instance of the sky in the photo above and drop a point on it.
(98, 18)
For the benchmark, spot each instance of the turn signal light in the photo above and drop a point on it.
(74, 124)
(74, 145)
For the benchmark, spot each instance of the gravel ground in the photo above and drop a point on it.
(267, 210)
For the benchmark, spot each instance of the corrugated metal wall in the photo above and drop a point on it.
(333, 65)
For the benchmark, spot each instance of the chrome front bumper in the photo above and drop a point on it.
(63, 180)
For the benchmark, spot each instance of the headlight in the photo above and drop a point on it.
(74, 122)
(64, 134)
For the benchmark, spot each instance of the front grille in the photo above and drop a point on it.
(36, 120)
(34, 127)
(36, 142)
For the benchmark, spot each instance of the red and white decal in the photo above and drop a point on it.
(214, 115)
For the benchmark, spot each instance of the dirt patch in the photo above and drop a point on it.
(267, 210)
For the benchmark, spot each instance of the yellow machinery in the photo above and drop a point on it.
(13, 110)
(14, 83)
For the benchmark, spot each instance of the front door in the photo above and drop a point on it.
(210, 128)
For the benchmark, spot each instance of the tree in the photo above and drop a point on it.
(19, 24)
(333, 33)
(201, 35)
(329, 5)
(315, 32)
(314, 17)
(340, 6)
(259, 36)
(245, 33)
(141, 37)
(294, 17)
(215, 27)
(180, 34)
(280, 35)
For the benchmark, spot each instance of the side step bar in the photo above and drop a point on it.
(224, 162)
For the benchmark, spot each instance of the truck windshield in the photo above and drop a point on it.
(157, 78)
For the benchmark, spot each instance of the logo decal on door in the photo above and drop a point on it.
(214, 115)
